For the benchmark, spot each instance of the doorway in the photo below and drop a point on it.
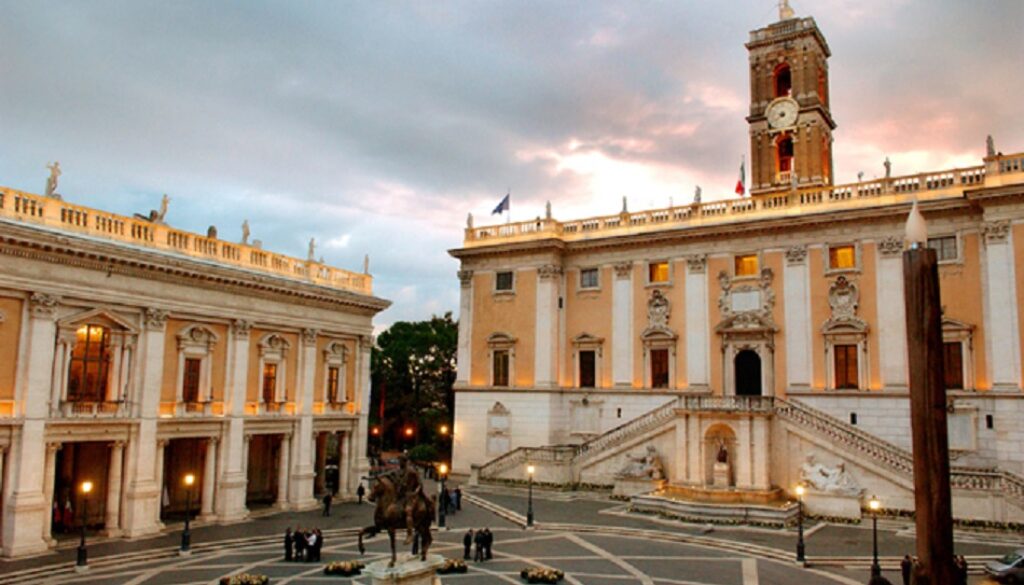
(748, 373)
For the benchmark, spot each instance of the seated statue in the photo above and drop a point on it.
(646, 466)
(828, 479)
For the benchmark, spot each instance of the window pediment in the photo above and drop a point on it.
(501, 340)
(273, 344)
(336, 353)
(587, 340)
(196, 336)
(102, 317)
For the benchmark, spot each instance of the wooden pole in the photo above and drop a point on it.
(932, 497)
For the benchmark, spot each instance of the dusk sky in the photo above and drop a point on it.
(375, 127)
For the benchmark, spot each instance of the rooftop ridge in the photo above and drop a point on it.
(54, 213)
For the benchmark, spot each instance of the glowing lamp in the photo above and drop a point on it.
(800, 490)
(874, 505)
(530, 469)
(189, 479)
(444, 429)
(408, 431)
(86, 487)
(443, 469)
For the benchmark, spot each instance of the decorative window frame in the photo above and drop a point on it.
(499, 436)
(858, 261)
(588, 342)
(273, 349)
(496, 342)
(124, 337)
(647, 272)
(958, 331)
(335, 356)
(757, 273)
(494, 283)
(959, 247)
(845, 328)
(579, 281)
(196, 341)
(659, 339)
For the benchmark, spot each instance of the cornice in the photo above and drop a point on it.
(68, 250)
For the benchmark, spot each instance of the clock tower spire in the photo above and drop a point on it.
(790, 120)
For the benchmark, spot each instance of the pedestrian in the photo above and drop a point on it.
(288, 544)
(319, 543)
(443, 500)
(488, 541)
(451, 502)
(906, 565)
(299, 539)
(58, 524)
(467, 544)
(478, 542)
(69, 514)
(328, 498)
(961, 569)
(360, 492)
(313, 543)
(458, 498)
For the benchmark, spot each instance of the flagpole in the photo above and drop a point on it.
(508, 218)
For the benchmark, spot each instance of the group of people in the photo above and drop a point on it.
(450, 501)
(482, 539)
(959, 562)
(63, 516)
(303, 545)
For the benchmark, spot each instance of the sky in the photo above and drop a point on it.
(376, 126)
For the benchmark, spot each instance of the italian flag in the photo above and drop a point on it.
(741, 189)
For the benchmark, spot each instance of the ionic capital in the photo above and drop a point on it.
(995, 232)
(623, 269)
(890, 246)
(44, 304)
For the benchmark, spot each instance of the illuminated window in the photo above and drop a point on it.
(657, 272)
(945, 248)
(190, 380)
(90, 364)
(269, 382)
(501, 363)
(842, 257)
(746, 265)
(503, 281)
(333, 375)
(845, 366)
(783, 80)
(588, 278)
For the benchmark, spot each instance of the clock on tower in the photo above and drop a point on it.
(790, 121)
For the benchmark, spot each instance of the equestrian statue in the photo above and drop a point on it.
(400, 503)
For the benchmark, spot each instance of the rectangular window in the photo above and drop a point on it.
(90, 361)
(588, 369)
(190, 381)
(746, 265)
(842, 257)
(332, 384)
(657, 272)
(659, 368)
(846, 366)
(503, 281)
(588, 278)
(501, 359)
(952, 353)
(945, 247)
(269, 383)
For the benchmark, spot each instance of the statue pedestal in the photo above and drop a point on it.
(832, 504)
(407, 571)
(720, 475)
(632, 486)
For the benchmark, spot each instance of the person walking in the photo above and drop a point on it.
(906, 565)
(458, 498)
(288, 544)
(360, 492)
(328, 498)
(478, 542)
(488, 542)
(467, 544)
(961, 569)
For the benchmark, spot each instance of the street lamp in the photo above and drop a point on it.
(442, 470)
(82, 563)
(444, 430)
(529, 498)
(800, 558)
(186, 536)
(874, 505)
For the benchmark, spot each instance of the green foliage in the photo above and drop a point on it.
(423, 452)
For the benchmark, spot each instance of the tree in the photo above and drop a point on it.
(413, 369)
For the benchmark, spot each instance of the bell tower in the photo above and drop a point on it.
(790, 120)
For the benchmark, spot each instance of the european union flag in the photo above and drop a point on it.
(503, 206)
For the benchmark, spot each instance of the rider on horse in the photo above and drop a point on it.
(410, 487)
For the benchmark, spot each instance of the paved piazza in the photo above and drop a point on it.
(594, 540)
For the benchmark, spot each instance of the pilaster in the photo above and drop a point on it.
(697, 331)
(112, 522)
(892, 325)
(465, 347)
(796, 296)
(302, 473)
(230, 499)
(1002, 339)
(546, 343)
(622, 325)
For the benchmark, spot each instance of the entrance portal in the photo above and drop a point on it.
(748, 373)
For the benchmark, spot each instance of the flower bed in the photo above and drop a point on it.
(343, 568)
(537, 575)
(451, 566)
(245, 579)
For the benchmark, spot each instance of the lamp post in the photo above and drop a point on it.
(800, 558)
(186, 535)
(83, 555)
(529, 498)
(442, 470)
(874, 505)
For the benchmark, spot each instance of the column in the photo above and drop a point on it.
(744, 454)
(697, 322)
(361, 465)
(144, 488)
(234, 451)
(209, 479)
(49, 477)
(892, 323)
(465, 347)
(693, 444)
(303, 448)
(1002, 340)
(282, 471)
(344, 462)
(797, 321)
(622, 325)
(112, 523)
(545, 362)
(762, 453)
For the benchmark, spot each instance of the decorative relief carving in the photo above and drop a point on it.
(843, 298)
(995, 231)
(465, 278)
(796, 255)
(549, 271)
(747, 307)
(43, 304)
(241, 328)
(697, 263)
(309, 336)
(156, 318)
(623, 269)
(657, 310)
(890, 246)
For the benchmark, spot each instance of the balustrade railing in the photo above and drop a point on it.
(651, 419)
(93, 409)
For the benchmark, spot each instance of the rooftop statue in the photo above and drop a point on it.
(696, 194)
(51, 181)
(312, 249)
(245, 232)
(990, 147)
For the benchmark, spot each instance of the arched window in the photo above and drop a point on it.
(783, 80)
(826, 158)
(822, 88)
(90, 364)
(784, 155)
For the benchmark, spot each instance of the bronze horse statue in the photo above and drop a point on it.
(389, 515)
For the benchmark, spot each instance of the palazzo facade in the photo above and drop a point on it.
(133, 354)
(708, 324)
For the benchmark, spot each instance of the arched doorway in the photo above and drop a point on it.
(748, 373)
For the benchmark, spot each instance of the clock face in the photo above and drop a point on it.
(782, 113)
